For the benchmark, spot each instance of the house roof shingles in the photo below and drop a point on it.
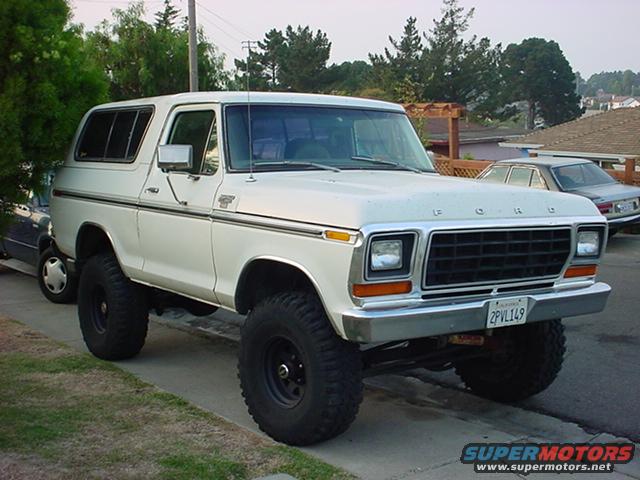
(616, 132)
(437, 130)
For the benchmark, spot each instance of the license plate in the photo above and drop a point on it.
(626, 207)
(504, 313)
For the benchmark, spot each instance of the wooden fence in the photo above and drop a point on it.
(460, 168)
(473, 168)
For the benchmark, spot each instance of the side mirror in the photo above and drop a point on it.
(175, 157)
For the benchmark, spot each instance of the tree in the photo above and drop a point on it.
(442, 65)
(265, 63)
(47, 82)
(399, 70)
(537, 71)
(349, 78)
(271, 58)
(618, 83)
(167, 18)
(304, 61)
(145, 60)
(459, 70)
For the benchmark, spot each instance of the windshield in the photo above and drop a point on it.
(573, 177)
(304, 137)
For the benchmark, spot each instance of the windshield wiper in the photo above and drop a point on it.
(366, 158)
(298, 164)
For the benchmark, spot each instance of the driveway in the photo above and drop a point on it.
(407, 428)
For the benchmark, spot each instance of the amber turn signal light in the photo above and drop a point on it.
(378, 289)
(580, 271)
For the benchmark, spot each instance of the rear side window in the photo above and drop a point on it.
(496, 174)
(113, 136)
(520, 176)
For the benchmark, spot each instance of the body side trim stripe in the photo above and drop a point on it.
(258, 221)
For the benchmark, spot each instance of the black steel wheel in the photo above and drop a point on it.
(112, 310)
(284, 372)
(301, 382)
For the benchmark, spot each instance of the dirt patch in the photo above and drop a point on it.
(24, 467)
(69, 415)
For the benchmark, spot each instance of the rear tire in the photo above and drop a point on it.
(530, 362)
(54, 279)
(113, 311)
(301, 382)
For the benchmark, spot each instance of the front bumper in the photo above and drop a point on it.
(624, 221)
(385, 325)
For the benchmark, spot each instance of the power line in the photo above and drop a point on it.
(221, 44)
(236, 28)
(233, 37)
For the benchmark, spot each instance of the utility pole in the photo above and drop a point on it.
(193, 47)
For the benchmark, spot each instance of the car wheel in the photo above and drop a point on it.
(527, 363)
(301, 382)
(54, 279)
(113, 311)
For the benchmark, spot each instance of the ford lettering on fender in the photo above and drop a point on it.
(323, 220)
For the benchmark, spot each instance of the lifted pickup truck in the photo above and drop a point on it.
(321, 218)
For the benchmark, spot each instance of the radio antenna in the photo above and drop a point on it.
(248, 44)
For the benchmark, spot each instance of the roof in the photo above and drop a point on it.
(437, 130)
(612, 134)
(259, 97)
(546, 161)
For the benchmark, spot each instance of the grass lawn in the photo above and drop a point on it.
(68, 415)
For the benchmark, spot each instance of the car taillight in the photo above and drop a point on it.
(605, 207)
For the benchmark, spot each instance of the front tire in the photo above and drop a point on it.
(54, 279)
(528, 363)
(301, 382)
(112, 310)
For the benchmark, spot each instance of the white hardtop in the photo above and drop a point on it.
(256, 98)
(548, 161)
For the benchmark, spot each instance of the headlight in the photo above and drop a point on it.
(386, 255)
(390, 255)
(588, 243)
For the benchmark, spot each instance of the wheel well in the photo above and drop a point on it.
(91, 240)
(263, 278)
(44, 242)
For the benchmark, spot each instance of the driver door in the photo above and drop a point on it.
(174, 220)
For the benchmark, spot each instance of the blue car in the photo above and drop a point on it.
(28, 240)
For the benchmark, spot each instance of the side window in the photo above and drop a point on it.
(93, 144)
(537, 181)
(198, 129)
(520, 176)
(113, 136)
(497, 174)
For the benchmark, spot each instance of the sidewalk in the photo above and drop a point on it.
(406, 429)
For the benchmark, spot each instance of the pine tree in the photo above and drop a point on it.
(167, 18)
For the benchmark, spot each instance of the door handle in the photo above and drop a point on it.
(152, 190)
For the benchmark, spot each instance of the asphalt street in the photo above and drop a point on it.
(599, 385)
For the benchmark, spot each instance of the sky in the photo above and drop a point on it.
(595, 36)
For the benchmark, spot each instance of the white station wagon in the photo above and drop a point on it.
(323, 220)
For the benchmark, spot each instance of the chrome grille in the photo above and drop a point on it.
(495, 256)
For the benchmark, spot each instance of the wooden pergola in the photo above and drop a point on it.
(452, 111)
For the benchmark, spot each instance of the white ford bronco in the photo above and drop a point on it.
(323, 220)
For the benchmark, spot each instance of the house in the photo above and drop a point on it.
(608, 138)
(476, 141)
(623, 102)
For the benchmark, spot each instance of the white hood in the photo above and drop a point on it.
(352, 199)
